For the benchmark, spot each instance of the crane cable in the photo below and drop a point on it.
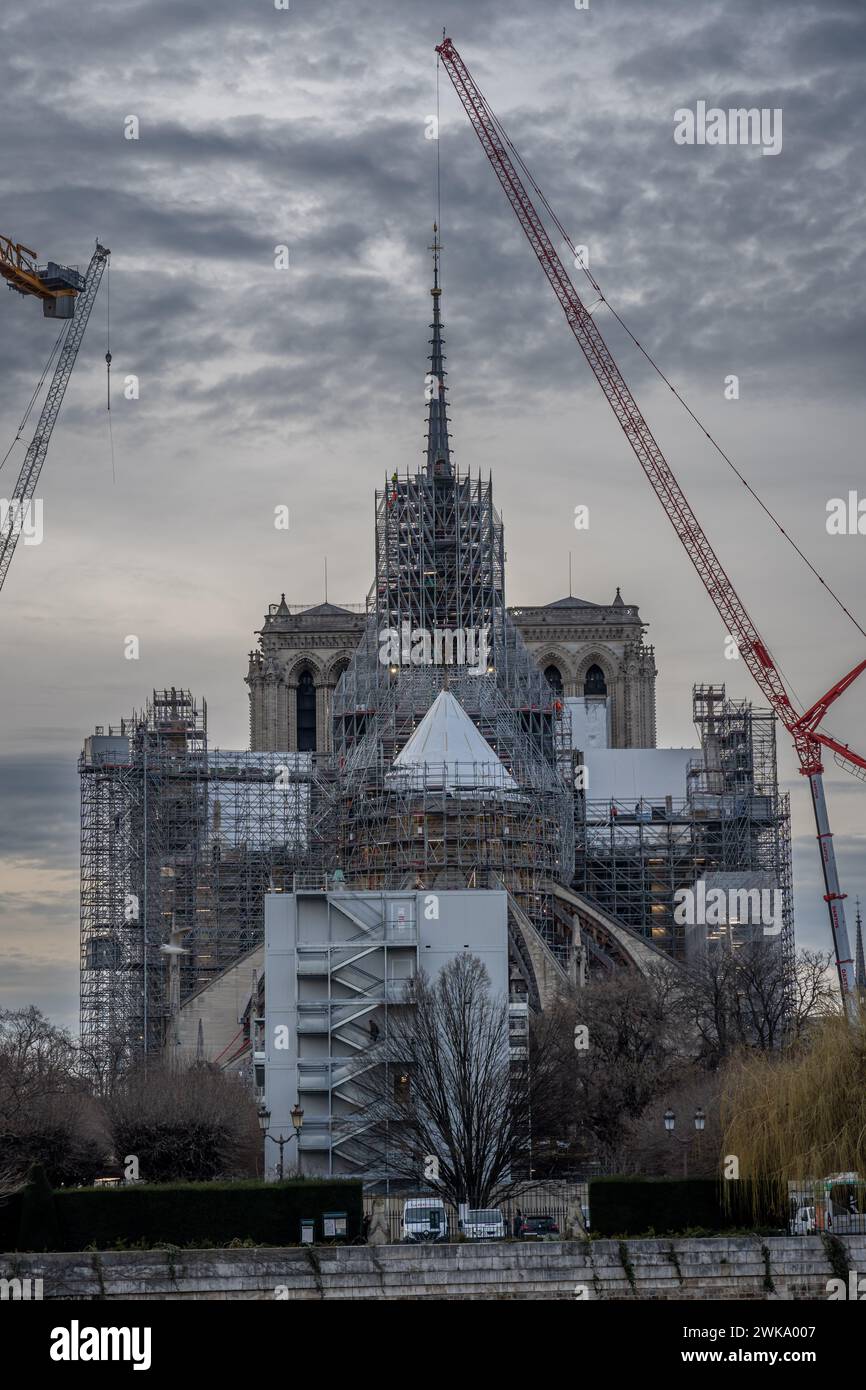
(656, 368)
(438, 148)
(108, 365)
(39, 385)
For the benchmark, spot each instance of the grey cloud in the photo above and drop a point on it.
(38, 806)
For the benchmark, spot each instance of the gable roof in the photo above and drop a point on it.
(572, 602)
(321, 610)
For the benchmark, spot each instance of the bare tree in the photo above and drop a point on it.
(184, 1124)
(445, 1104)
(36, 1058)
(47, 1114)
(813, 993)
(708, 996)
(618, 1044)
(749, 998)
(104, 1066)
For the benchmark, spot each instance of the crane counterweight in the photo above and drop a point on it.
(56, 285)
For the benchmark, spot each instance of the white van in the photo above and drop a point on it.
(425, 1218)
(802, 1222)
(486, 1224)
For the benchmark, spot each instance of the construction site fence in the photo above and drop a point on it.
(841, 1211)
(554, 1200)
(811, 1210)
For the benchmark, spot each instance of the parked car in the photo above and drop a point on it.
(540, 1227)
(487, 1224)
(424, 1219)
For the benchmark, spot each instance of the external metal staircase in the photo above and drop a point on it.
(351, 976)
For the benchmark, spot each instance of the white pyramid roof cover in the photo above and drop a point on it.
(447, 750)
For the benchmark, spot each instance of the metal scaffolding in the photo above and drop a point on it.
(179, 843)
(440, 559)
(440, 577)
(423, 835)
(633, 859)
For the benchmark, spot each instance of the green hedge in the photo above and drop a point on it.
(633, 1206)
(212, 1213)
(10, 1221)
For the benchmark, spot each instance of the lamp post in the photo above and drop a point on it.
(282, 1140)
(670, 1120)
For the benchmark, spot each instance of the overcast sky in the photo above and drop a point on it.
(306, 128)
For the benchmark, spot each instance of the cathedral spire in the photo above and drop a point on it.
(438, 445)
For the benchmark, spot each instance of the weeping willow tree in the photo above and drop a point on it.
(797, 1115)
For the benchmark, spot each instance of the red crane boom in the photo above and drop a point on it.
(808, 739)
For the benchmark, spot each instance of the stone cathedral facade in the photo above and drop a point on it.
(593, 649)
(597, 649)
(292, 677)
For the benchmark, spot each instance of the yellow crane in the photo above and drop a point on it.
(65, 294)
(58, 286)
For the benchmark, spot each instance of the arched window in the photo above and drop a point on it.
(595, 683)
(553, 676)
(306, 713)
(338, 671)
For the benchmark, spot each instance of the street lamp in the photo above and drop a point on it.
(297, 1115)
(670, 1120)
(298, 1120)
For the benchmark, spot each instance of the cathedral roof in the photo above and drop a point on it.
(572, 602)
(447, 745)
(322, 610)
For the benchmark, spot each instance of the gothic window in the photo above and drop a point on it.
(306, 713)
(594, 683)
(553, 676)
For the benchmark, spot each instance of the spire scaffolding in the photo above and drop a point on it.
(438, 445)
